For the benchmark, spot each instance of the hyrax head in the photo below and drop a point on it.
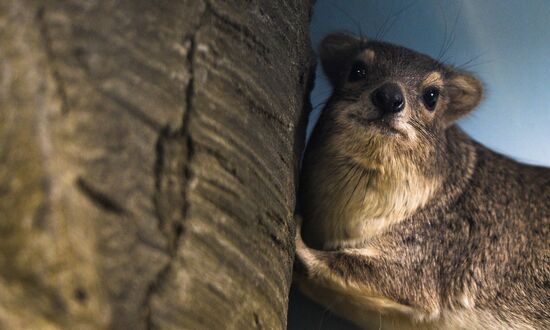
(386, 96)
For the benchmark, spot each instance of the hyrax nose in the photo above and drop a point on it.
(388, 98)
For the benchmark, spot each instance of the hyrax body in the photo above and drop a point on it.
(407, 222)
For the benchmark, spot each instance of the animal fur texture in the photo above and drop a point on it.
(407, 222)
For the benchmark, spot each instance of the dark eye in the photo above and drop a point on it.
(358, 72)
(430, 97)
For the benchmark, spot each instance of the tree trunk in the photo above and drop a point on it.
(148, 160)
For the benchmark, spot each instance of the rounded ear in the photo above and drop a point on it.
(336, 50)
(465, 92)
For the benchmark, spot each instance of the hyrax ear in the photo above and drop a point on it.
(465, 92)
(336, 51)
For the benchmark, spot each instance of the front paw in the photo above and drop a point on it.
(300, 270)
(307, 262)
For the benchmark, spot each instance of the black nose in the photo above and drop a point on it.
(388, 98)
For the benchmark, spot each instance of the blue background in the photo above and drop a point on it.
(506, 43)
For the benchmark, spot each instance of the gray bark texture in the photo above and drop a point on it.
(148, 160)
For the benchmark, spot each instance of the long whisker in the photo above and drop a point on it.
(356, 22)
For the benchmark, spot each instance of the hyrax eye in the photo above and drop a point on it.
(430, 97)
(358, 71)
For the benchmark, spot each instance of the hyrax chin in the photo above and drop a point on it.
(407, 222)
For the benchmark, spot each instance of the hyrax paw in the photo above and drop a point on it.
(307, 260)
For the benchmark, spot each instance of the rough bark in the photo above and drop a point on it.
(148, 156)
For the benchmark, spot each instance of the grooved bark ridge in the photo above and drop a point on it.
(148, 160)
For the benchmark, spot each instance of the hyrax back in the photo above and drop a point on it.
(407, 222)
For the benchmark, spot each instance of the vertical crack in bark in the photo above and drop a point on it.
(50, 55)
(174, 231)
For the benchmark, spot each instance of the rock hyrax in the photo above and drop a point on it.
(408, 222)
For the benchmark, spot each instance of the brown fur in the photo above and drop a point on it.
(418, 226)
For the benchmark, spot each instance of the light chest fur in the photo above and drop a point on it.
(371, 196)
